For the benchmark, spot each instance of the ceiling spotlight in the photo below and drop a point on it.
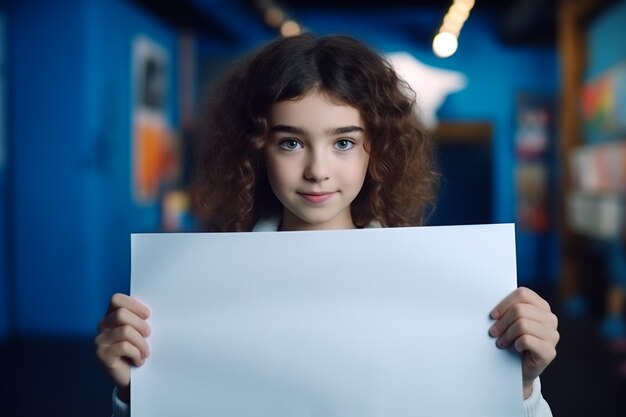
(445, 44)
(290, 28)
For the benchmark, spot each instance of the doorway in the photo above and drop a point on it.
(465, 161)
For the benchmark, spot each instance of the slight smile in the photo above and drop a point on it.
(317, 198)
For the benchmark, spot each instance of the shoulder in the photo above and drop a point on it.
(375, 224)
(269, 224)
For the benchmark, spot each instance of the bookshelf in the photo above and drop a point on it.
(592, 173)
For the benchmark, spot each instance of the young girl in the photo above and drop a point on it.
(318, 133)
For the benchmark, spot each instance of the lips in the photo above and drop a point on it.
(317, 198)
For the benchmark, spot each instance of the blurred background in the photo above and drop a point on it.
(99, 100)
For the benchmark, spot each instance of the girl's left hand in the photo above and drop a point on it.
(524, 320)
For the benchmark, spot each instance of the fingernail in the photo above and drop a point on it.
(499, 343)
(493, 331)
(495, 314)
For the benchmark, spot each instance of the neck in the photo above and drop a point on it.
(290, 222)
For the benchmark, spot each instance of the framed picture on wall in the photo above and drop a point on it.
(533, 143)
(153, 156)
(604, 105)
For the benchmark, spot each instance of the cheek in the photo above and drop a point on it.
(277, 171)
(363, 167)
(366, 163)
(353, 175)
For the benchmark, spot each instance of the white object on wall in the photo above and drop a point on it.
(431, 85)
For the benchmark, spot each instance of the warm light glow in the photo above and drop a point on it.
(466, 3)
(462, 7)
(290, 28)
(458, 13)
(452, 22)
(445, 44)
(452, 28)
(274, 16)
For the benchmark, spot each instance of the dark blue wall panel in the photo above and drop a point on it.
(47, 119)
(4, 277)
(71, 138)
(4, 271)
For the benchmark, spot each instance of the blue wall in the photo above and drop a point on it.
(47, 124)
(4, 290)
(70, 153)
(4, 294)
(111, 213)
(495, 75)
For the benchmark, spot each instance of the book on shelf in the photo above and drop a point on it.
(596, 204)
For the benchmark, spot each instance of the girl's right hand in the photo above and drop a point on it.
(121, 341)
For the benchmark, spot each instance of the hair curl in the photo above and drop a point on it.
(232, 191)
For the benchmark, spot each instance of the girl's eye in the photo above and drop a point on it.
(344, 144)
(290, 144)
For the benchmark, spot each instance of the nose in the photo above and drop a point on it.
(317, 169)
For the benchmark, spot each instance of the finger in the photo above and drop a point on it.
(522, 311)
(112, 355)
(124, 334)
(120, 300)
(538, 347)
(520, 295)
(538, 354)
(124, 317)
(527, 327)
(117, 367)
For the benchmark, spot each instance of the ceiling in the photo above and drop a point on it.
(520, 22)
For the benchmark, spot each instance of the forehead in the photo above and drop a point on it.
(314, 109)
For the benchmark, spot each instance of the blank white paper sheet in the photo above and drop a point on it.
(352, 323)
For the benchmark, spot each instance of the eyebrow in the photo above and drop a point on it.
(299, 131)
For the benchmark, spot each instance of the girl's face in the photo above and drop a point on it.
(316, 161)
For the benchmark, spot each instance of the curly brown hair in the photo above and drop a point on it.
(232, 191)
